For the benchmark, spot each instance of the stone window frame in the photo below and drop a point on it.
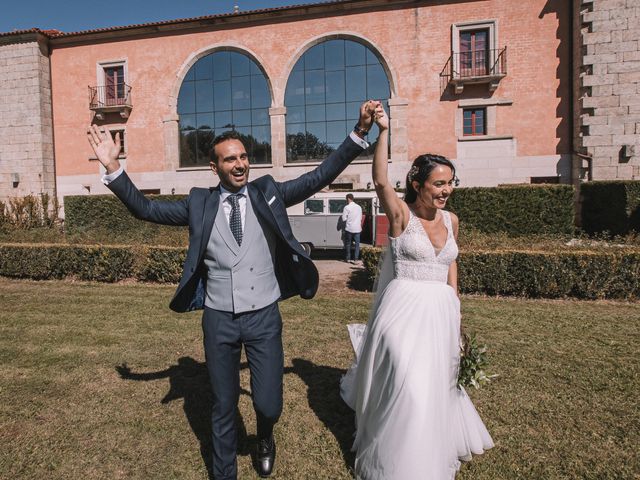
(102, 65)
(490, 106)
(459, 27)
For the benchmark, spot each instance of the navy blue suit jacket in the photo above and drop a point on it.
(296, 273)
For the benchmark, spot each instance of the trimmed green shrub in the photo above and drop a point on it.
(516, 209)
(585, 275)
(91, 262)
(105, 215)
(611, 206)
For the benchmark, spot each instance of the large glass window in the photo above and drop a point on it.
(324, 93)
(224, 91)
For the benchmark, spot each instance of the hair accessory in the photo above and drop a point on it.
(413, 172)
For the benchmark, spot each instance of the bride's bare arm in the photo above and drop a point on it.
(395, 209)
(452, 276)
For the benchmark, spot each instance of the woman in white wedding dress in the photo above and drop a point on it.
(413, 423)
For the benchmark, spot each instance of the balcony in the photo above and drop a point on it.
(474, 67)
(110, 98)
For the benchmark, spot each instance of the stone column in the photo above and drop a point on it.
(278, 138)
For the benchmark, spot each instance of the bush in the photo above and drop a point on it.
(585, 275)
(610, 207)
(103, 218)
(516, 209)
(32, 211)
(91, 262)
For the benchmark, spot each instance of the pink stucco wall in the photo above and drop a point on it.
(414, 42)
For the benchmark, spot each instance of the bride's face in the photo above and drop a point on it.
(437, 188)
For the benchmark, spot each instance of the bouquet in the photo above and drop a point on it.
(473, 360)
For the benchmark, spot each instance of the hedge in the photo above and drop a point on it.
(105, 213)
(92, 262)
(585, 275)
(516, 209)
(611, 206)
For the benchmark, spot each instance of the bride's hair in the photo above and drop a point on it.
(421, 169)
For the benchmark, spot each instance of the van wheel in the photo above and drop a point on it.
(307, 248)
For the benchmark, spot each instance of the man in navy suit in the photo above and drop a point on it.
(242, 259)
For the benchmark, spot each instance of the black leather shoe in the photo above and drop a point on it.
(265, 456)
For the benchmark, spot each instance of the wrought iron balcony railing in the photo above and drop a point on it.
(474, 66)
(111, 98)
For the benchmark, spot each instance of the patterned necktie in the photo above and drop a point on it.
(235, 218)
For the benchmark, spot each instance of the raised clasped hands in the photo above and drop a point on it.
(105, 148)
(367, 110)
(380, 117)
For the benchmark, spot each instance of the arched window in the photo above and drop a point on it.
(324, 93)
(224, 91)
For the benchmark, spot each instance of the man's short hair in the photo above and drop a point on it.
(223, 137)
(350, 196)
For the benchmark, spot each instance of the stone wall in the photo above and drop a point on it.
(26, 133)
(609, 93)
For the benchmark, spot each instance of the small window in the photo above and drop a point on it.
(541, 180)
(473, 121)
(313, 206)
(336, 206)
(123, 150)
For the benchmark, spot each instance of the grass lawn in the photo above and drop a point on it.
(104, 381)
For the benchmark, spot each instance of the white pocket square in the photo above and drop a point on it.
(273, 199)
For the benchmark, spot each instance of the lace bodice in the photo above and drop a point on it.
(415, 258)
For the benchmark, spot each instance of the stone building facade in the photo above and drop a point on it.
(26, 127)
(556, 99)
(607, 138)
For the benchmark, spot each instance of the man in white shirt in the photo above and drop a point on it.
(352, 218)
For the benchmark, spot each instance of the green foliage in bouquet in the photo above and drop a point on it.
(473, 360)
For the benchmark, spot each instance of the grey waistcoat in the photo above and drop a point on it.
(240, 278)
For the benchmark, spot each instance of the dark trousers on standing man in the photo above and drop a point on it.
(348, 238)
(225, 333)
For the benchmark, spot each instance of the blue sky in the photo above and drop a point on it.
(75, 15)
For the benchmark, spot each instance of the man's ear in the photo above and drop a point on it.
(214, 167)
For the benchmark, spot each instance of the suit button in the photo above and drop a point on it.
(253, 306)
(251, 288)
(251, 269)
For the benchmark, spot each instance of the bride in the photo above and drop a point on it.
(413, 423)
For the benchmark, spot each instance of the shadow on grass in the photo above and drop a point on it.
(324, 399)
(189, 380)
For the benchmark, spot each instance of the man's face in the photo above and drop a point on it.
(231, 164)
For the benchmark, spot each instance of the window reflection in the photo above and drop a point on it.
(324, 92)
(224, 91)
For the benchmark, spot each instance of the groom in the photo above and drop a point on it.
(242, 259)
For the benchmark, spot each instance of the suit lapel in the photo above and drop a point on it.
(210, 210)
(261, 207)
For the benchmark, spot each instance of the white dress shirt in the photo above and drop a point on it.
(352, 215)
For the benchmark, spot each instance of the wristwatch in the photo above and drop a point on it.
(360, 131)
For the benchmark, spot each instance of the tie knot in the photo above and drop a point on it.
(234, 198)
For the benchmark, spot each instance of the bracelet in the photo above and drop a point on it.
(360, 131)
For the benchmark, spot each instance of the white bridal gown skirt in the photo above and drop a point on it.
(413, 423)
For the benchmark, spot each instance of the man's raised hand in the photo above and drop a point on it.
(367, 110)
(104, 147)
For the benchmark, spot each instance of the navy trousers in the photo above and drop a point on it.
(348, 238)
(225, 333)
